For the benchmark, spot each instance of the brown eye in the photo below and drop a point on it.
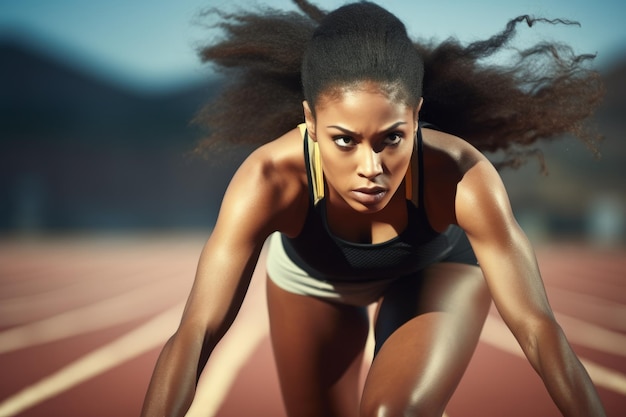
(393, 139)
(343, 141)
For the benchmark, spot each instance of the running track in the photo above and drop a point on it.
(82, 320)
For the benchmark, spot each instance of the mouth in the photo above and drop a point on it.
(369, 195)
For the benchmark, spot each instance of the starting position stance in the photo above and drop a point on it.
(373, 197)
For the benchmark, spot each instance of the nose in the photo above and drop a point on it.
(370, 164)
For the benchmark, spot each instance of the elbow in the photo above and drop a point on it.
(192, 333)
(192, 342)
(539, 339)
(196, 329)
(198, 334)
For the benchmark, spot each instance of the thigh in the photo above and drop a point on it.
(427, 329)
(318, 347)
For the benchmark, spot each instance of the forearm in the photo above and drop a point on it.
(564, 376)
(173, 382)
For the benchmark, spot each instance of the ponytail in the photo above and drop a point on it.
(546, 93)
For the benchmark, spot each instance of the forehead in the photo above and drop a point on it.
(350, 92)
(364, 113)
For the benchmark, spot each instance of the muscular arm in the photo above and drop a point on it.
(251, 210)
(510, 268)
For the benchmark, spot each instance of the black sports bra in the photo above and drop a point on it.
(320, 253)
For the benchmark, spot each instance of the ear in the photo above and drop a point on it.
(309, 119)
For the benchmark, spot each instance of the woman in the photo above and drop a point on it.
(366, 203)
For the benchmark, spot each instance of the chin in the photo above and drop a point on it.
(369, 208)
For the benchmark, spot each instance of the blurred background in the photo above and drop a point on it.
(96, 100)
(103, 211)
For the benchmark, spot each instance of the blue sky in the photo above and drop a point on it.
(150, 44)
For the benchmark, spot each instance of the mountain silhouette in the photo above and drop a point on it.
(78, 151)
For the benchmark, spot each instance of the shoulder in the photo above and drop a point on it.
(461, 182)
(274, 165)
(269, 189)
(444, 151)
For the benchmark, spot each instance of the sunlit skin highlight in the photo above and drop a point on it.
(362, 77)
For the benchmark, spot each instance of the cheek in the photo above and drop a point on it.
(334, 167)
(398, 164)
(401, 162)
(398, 172)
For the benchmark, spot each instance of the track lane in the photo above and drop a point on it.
(101, 365)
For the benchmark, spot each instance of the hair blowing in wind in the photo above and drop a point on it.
(545, 91)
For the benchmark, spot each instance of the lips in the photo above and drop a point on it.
(368, 196)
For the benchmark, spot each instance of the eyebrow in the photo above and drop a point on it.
(349, 132)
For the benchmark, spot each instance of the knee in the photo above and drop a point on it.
(400, 407)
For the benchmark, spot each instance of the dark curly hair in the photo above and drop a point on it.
(274, 59)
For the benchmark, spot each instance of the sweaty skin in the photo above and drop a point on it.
(364, 139)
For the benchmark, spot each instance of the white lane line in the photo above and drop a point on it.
(145, 337)
(24, 309)
(233, 352)
(607, 273)
(589, 335)
(52, 278)
(498, 335)
(611, 314)
(115, 310)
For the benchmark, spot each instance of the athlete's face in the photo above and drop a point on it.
(365, 140)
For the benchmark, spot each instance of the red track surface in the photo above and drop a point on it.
(82, 320)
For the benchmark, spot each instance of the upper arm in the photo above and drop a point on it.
(252, 208)
(503, 250)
